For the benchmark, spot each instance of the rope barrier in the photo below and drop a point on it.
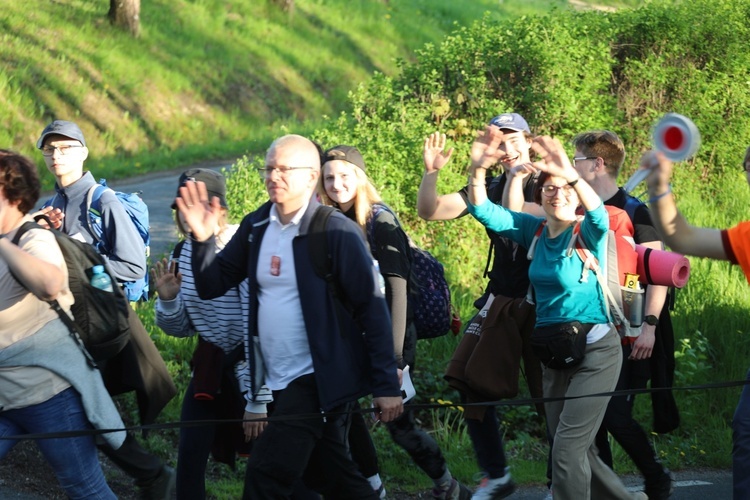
(411, 407)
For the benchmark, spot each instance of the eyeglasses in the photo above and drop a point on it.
(581, 158)
(283, 171)
(551, 190)
(50, 150)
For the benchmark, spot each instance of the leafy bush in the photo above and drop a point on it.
(566, 73)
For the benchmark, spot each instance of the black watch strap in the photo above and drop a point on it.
(651, 320)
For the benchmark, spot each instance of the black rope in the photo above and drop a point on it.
(411, 407)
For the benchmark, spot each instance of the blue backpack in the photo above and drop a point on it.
(430, 295)
(137, 210)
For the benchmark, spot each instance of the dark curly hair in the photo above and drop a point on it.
(19, 180)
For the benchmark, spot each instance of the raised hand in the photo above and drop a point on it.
(554, 159)
(485, 150)
(434, 155)
(661, 170)
(200, 214)
(522, 171)
(166, 279)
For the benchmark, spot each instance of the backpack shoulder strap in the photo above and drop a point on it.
(321, 258)
(631, 205)
(94, 205)
(590, 262)
(377, 208)
(25, 227)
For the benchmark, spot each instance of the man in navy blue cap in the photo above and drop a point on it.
(64, 149)
(508, 281)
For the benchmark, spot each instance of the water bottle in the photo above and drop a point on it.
(100, 279)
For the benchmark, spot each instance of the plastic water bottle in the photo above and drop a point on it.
(101, 280)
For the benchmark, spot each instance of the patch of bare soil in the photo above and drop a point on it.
(25, 474)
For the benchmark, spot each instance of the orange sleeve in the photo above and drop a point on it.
(739, 239)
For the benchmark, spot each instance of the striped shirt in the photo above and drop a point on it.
(221, 321)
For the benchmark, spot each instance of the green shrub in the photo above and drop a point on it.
(566, 73)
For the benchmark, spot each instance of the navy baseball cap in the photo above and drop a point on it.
(511, 121)
(64, 128)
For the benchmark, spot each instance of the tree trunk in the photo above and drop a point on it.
(126, 14)
(286, 5)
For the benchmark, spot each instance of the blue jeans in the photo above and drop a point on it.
(74, 459)
(741, 445)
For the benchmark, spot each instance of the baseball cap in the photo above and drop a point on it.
(511, 121)
(346, 153)
(214, 181)
(61, 127)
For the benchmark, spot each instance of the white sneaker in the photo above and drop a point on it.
(493, 489)
(381, 491)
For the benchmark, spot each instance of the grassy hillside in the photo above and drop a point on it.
(207, 78)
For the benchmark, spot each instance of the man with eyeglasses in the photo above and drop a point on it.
(599, 156)
(731, 244)
(317, 363)
(64, 149)
(139, 366)
(508, 281)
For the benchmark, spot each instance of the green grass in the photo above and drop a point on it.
(207, 79)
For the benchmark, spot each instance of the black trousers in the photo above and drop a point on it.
(134, 460)
(362, 448)
(311, 449)
(619, 421)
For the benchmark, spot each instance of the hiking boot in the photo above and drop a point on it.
(493, 489)
(162, 487)
(455, 491)
(660, 488)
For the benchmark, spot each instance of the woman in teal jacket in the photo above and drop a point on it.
(564, 293)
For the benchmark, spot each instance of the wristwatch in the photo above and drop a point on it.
(651, 320)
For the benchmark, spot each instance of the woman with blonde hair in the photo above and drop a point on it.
(344, 184)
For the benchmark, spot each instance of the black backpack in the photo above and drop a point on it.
(433, 315)
(100, 323)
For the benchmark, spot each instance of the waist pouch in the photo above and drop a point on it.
(562, 345)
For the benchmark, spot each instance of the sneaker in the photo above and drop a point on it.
(660, 488)
(492, 489)
(381, 491)
(456, 491)
(162, 487)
